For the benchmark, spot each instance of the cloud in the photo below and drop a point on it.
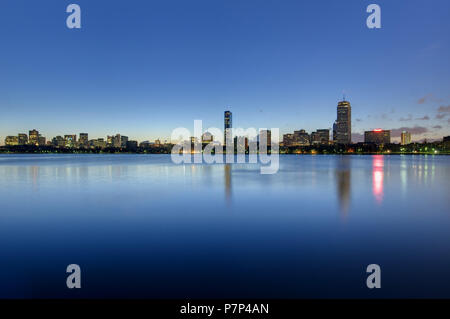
(358, 120)
(422, 100)
(425, 118)
(444, 109)
(405, 119)
(416, 130)
(440, 116)
(437, 127)
(357, 137)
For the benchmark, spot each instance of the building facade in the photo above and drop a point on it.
(377, 136)
(33, 137)
(405, 138)
(344, 123)
(228, 125)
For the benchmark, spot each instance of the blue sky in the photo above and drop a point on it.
(142, 68)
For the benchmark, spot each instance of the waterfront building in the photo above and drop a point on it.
(344, 123)
(228, 125)
(22, 139)
(405, 138)
(33, 137)
(377, 136)
(84, 140)
(12, 140)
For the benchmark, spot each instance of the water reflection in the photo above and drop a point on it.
(343, 184)
(377, 177)
(227, 170)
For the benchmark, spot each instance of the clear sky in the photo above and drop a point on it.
(142, 68)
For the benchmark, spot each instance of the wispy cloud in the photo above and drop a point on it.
(424, 99)
(416, 130)
(437, 127)
(444, 109)
(424, 118)
(406, 119)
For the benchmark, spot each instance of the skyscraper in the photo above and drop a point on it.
(22, 139)
(84, 140)
(406, 138)
(228, 125)
(344, 123)
(33, 137)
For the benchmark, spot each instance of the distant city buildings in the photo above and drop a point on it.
(33, 137)
(228, 125)
(22, 139)
(302, 138)
(12, 140)
(341, 135)
(84, 140)
(344, 123)
(267, 134)
(377, 136)
(321, 136)
(405, 138)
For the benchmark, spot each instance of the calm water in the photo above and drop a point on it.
(140, 226)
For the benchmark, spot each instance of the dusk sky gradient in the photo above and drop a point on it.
(142, 68)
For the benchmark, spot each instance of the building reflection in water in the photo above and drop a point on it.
(343, 184)
(227, 179)
(377, 177)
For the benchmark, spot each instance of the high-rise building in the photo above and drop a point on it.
(288, 139)
(22, 139)
(123, 141)
(228, 125)
(335, 131)
(12, 140)
(84, 140)
(70, 140)
(405, 138)
(301, 138)
(344, 123)
(33, 137)
(58, 141)
(268, 137)
(41, 140)
(377, 136)
(116, 141)
(321, 136)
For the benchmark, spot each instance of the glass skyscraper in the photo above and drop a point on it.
(228, 125)
(344, 123)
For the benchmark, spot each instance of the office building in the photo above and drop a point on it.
(321, 136)
(228, 125)
(33, 137)
(12, 140)
(268, 137)
(84, 140)
(22, 139)
(344, 123)
(405, 138)
(377, 136)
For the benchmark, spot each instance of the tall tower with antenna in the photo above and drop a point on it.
(344, 122)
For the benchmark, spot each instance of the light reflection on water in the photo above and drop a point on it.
(164, 230)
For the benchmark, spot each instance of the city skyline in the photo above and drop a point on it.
(276, 65)
(340, 134)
